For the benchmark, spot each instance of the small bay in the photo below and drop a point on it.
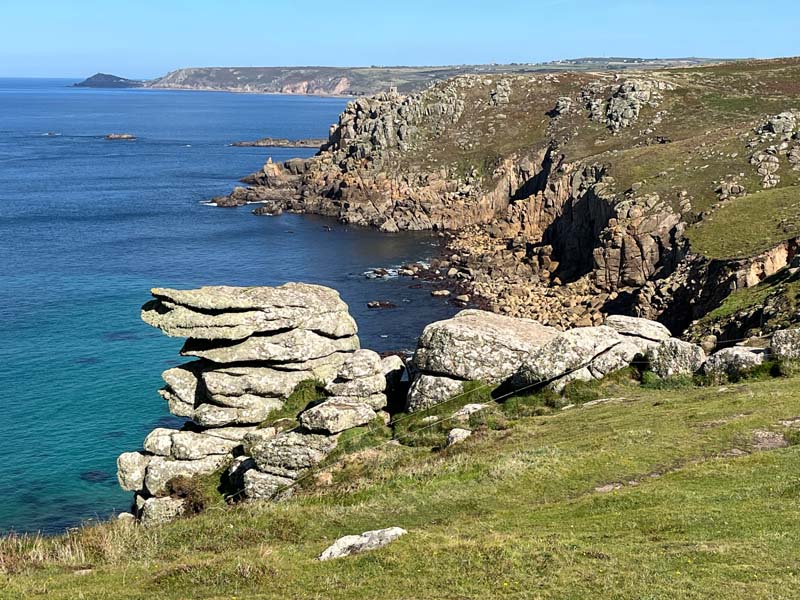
(88, 226)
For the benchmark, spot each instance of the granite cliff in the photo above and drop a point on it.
(570, 196)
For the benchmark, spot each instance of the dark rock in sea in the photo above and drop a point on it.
(269, 209)
(120, 336)
(381, 304)
(86, 360)
(97, 476)
(269, 142)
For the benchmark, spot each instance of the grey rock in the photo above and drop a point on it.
(131, 470)
(786, 344)
(159, 442)
(211, 415)
(289, 453)
(359, 388)
(479, 345)
(234, 313)
(456, 436)
(361, 364)
(429, 390)
(224, 385)
(636, 327)
(263, 486)
(569, 356)
(335, 416)
(188, 445)
(732, 362)
(293, 346)
(465, 411)
(157, 511)
(182, 381)
(161, 470)
(354, 544)
(675, 357)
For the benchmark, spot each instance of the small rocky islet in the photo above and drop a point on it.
(280, 376)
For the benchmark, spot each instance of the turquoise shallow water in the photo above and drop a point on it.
(87, 226)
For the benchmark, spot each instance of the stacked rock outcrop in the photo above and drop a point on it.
(254, 347)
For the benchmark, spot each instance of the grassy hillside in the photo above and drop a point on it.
(678, 492)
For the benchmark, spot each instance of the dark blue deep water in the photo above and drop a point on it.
(88, 226)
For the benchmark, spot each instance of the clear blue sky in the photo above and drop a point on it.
(146, 38)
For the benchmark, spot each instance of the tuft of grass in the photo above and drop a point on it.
(305, 395)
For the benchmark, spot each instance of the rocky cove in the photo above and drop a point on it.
(536, 224)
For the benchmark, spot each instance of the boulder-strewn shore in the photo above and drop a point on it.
(278, 376)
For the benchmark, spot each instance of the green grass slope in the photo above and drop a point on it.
(656, 493)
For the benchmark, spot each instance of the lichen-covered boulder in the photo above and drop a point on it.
(335, 416)
(643, 329)
(288, 454)
(264, 486)
(156, 511)
(674, 357)
(235, 313)
(731, 363)
(297, 345)
(429, 390)
(457, 435)
(354, 544)
(189, 445)
(131, 470)
(479, 345)
(161, 470)
(786, 344)
(569, 356)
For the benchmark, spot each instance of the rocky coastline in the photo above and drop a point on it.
(534, 232)
(278, 379)
(269, 142)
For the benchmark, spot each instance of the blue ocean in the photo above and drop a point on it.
(88, 226)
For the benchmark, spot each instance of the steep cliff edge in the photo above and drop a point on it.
(572, 195)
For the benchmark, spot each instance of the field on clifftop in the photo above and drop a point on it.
(680, 492)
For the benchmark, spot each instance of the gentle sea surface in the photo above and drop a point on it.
(88, 226)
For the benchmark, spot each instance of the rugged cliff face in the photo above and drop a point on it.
(569, 195)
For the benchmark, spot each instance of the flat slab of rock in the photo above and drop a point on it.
(234, 313)
(569, 356)
(289, 454)
(636, 327)
(297, 345)
(479, 345)
(156, 511)
(335, 416)
(355, 544)
(161, 470)
(264, 486)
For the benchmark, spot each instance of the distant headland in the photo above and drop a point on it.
(361, 81)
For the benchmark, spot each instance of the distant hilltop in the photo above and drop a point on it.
(104, 80)
(361, 81)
